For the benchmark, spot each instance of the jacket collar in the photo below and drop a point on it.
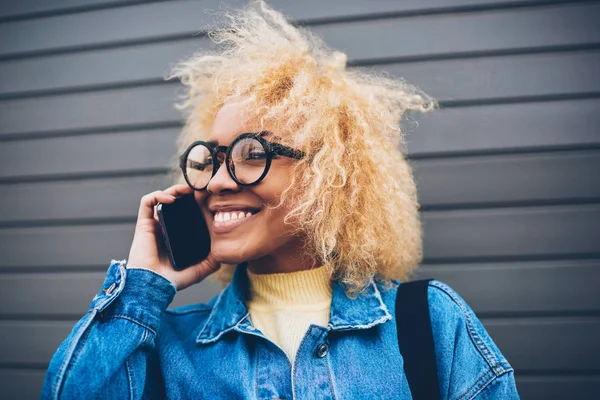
(230, 312)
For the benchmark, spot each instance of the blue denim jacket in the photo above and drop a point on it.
(129, 346)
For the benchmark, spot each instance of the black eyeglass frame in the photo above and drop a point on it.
(271, 150)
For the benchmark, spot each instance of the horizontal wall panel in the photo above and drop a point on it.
(535, 287)
(44, 294)
(22, 384)
(308, 9)
(89, 154)
(496, 179)
(339, 9)
(31, 343)
(543, 232)
(459, 79)
(558, 387)
(557, 25)
(185, 18)
(505, 127)
(538, 344)
(68, 246)
(84, 111)
(22, 8)
(563, 25)
(547, 344)
(485, 78)
(499, 179)
(552, 231)
(100, 67)
(78, 199)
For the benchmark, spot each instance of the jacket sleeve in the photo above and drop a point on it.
(469, 363)
(111, 350)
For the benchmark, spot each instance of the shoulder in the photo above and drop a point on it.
(468, 359)
(469, 362)
(446, 307)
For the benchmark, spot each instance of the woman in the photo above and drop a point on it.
(313, 220)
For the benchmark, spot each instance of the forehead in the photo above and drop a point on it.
(230, 122)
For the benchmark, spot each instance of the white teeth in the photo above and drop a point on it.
(221, 216)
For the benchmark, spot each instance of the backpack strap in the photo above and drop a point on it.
(415, 339)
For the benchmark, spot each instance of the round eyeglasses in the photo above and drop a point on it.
(248, 159)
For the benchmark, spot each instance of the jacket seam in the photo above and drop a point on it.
(483, 386)
(186, 312)
(130, 378)
(479, 383)
(484, 350)
(69, 354)
(256, 373)
(330, 378)
(296, 358)
(77, 351)
(130, 318)
(145, 336)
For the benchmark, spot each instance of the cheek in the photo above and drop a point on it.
(201, 198)
(274, 225)
(274, 184)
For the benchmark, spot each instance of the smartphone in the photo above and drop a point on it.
(184, 231)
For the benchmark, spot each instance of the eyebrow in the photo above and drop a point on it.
(261, 134)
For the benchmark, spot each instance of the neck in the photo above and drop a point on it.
(288, 259)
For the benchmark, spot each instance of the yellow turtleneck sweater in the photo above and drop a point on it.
(283, 305)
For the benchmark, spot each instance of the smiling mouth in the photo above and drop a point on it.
(229, 220)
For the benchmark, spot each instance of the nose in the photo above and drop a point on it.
(221, 180)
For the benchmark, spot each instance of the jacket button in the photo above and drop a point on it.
(322, 349)
(110, 288)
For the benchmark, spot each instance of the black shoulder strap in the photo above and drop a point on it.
(415, 339)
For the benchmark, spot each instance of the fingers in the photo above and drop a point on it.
(178, 190)
(150, 200)
(169, 195)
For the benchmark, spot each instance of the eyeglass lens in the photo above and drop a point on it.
(248, 162)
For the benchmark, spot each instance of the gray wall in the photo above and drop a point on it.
(507, 170)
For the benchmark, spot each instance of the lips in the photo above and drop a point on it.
(232, 207)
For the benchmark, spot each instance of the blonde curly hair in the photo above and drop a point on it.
(357, 198)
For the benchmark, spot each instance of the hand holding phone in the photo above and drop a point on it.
(149, 251)
(184, 231)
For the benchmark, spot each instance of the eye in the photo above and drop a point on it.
(196, 165)
(256, 155)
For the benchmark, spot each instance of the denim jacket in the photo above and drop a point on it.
(130, 346)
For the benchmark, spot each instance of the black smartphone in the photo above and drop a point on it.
(184, 231)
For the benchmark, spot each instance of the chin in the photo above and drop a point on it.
(229, 254)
